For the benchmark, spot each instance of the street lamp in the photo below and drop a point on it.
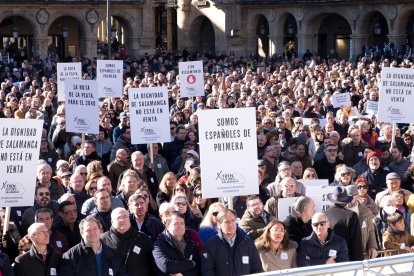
(377, 28)
(262, 29)
(65, 32)
(290, 29)
(113, 31)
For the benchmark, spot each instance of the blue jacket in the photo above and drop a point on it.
(318, 254)
(219, 259)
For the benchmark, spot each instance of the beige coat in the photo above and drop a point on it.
(272, 262)
(367, 228)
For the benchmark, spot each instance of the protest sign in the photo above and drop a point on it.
(284, 207)
(341, 99)
(228, 151)
(319, 196)
(314, 182)
(19, 155)
(191, 78)
(70, 70)
(372, 107)
(396, 95)
(82, 107)
(150, 115)
(109, 75)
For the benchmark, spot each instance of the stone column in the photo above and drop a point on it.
(305, 41)
(40, 47)
(357, 40)
(397, 39)
(90, 47)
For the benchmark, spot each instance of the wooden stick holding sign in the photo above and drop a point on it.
(394, 127)
(83, 140)
(6, 220)
(152, 157)
(230, 203)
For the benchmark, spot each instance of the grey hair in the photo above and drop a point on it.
(342, 169)
(299, 205)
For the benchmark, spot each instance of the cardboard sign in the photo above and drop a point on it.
(372, 107)
(82, 106)
(320, 197)
(19, 156)
(191, 78)
(396, 99)
(284, 207)
(228, 151)
(70, 70)
(110, 78)
(150, 115)
(314, 182)
(341, 99)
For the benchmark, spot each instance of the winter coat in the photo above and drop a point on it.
(80, 260)
(393, 241)
(318, 254)
(219, 259)
(283, 259)
(254, 226)
(170, 260)
(376, 181)
(367, 228)
(30, 263)
(345, 223)
(5, 266)
(151, 226)
(134, 248)
(297, 229)
(353, 154)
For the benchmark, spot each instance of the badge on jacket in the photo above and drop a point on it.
(245, 259)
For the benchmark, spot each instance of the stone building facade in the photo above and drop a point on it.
(242, 27)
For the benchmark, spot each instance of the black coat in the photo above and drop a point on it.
(134, 248)
(317, 253)
(326, 170)
(376, 181)
(5, 266)
(30, 263)
(219, 259)
(297, 229)
(170, 260)
(80, 260)
(151, 226)
(345, 223)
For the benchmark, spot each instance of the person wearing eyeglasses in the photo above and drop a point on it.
(325, 167)
(77, 189)
(44, 178)
(181, 204)
(363, 198)
(275, 249)
(369, 241)
(343, 176)
(42, 200)
(68, 222)
(345, 222)
(287, 189)
(322, 246)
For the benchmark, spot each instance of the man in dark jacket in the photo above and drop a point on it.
(90, 256)
(325, 167)
(68, 223)
(322, 246)
(88, 155)
(175, 252)
(230, 252)
(5, 267)
(376, 175)
(345, 222)
(40, 259)
(44, 178)
(173, 149)
(102, 211)
(134, 247)
(141, 220)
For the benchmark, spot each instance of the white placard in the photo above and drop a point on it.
(82, 106)
(396, 99)
(149, 113)
(191, 78)
(355, 112)
(70, 70)
(109, 75)
(341, 99)
(314, 182)
(228, 151)
(284, 207)
(19, 155)
(306, 121)
(319, 196)
(372, 107)
(322, 122)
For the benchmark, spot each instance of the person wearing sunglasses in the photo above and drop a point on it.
(345, 222)
(199, 204)
(322, 246)
(181, 204)
(325, 167)
(343, 176)
(42, 200)
(363, 198)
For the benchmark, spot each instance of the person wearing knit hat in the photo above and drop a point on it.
(375, 174)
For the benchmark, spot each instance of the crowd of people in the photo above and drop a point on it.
(105, 206)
